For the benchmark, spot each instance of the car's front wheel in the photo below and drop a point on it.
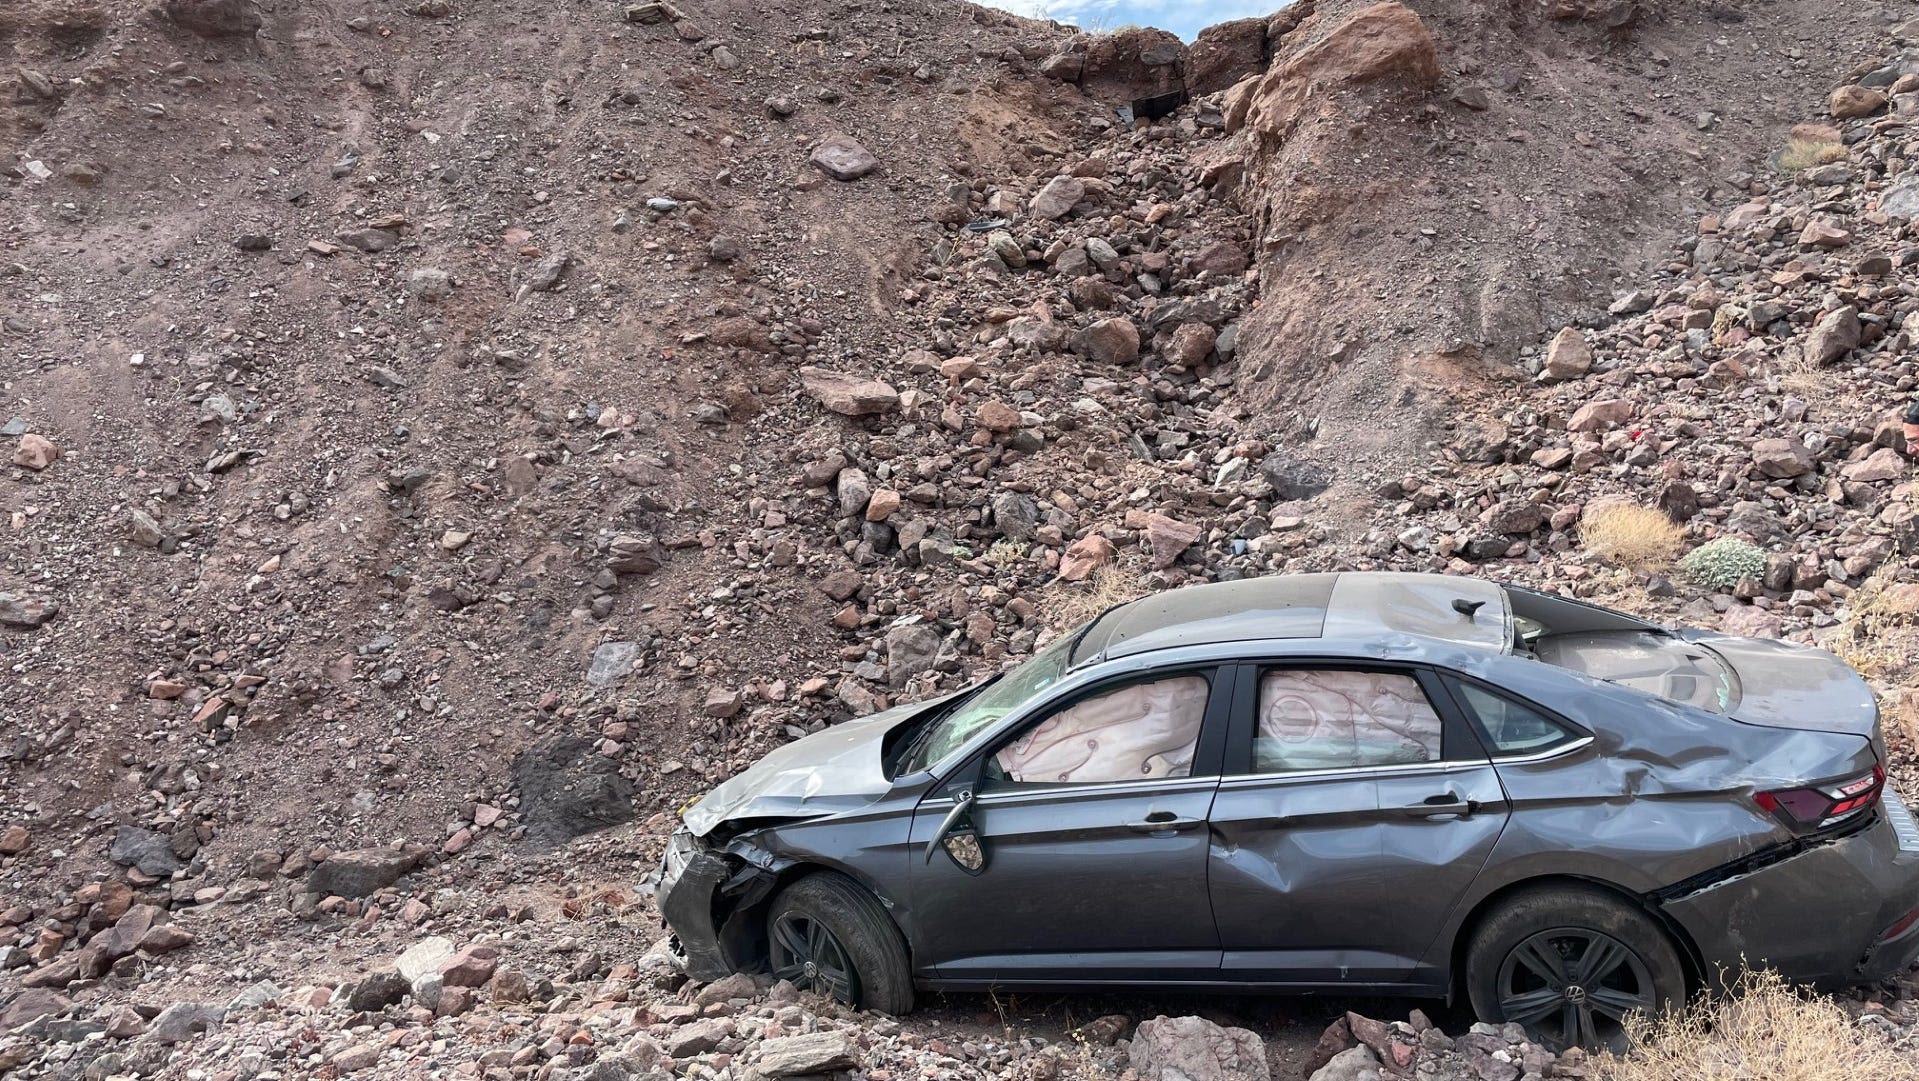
(826, 934)
(1571, 965)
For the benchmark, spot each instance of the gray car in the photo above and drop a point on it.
(1377, 783)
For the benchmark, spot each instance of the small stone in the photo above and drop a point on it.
(883, 504)
(1600, 415)
(25, 612)
(996, 416)
(1835, 336)
(1056, 198)
(35, 452)
(1851, 102)
(843, 158)
(1169, 537)
(1782, 459)
(849, 395)
(722, 702)
(1568, 357)
(809, 1053)
(1112, 341)
(14, 840)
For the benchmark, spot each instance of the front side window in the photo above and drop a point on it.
(1312, 720)
(1511, 727)
(1138, 731)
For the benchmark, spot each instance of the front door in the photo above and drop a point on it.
(1353, 817)
(1091, 821)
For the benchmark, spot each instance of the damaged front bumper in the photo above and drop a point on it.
(710, 900)
(1838, 912)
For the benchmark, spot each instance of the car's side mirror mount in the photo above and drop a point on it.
(959, 837)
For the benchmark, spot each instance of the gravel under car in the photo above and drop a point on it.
(1328, 783)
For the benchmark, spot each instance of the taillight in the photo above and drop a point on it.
(1817, 806)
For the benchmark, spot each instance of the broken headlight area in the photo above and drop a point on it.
(713, 898)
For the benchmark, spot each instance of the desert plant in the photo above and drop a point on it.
(1631, 536)
(1876, 635)
(1070, 604)
(1006, 553)
(1720, 564)
(1805, 152)
(1762, 1028)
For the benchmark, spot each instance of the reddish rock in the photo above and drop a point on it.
(997, 416)
(1191, 344)
(1851, 102)
(1781, 459)
(471, 967)
(1112, 341)
(1084, 556)
(1225, 53)
(1598, 416)
(36, 452)
(883, 505)
(1169, 537)
(848, 395)
(166, 938)
(1568, 357)
(14, 840)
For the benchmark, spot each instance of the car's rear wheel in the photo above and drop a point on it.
(826, 934)
(1571, 965)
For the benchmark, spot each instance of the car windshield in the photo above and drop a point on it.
(951, 732)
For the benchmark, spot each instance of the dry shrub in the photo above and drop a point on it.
(1763, 1030)
(1070, 604)
(1631, 536)
(1877, 637)
(1804, 153)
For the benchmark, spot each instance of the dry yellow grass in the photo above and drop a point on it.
(1070, 604)
(1763, 1031)
(1879, 640)
(1805, 153)
(1631, 536)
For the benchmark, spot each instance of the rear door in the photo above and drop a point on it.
(1091, 820)
(1355, 810)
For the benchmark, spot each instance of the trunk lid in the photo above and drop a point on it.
(1785, 685)
(1757, 681)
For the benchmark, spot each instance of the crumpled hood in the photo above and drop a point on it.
(821, 774)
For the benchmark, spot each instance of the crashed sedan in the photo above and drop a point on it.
(1378, 783)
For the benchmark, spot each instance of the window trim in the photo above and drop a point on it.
(1459, 745)
(1208, 750)
(1581, 736)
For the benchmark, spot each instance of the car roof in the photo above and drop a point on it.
(1347, 604)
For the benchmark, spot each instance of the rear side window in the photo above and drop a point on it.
(1510, 727)
(1135, 732)
(1342, 719)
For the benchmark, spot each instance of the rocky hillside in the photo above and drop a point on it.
(438, 435)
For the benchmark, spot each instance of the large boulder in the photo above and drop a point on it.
(1386, 41)
(567, 788)
(149, 852)
(848, 395)
(215, 18)
(361, 872)
(843, 158)
(1225, 53)
(1124, 67)
(1195, 1049)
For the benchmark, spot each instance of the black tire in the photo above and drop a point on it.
(1534, 959)
(829, 920)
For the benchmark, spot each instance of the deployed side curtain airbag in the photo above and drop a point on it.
(1335, 720)
(1143, 730)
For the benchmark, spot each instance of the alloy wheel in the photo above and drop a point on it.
(1573, 987)
(808, 956)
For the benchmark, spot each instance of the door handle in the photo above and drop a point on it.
(1163, 822)
(1446, 804)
